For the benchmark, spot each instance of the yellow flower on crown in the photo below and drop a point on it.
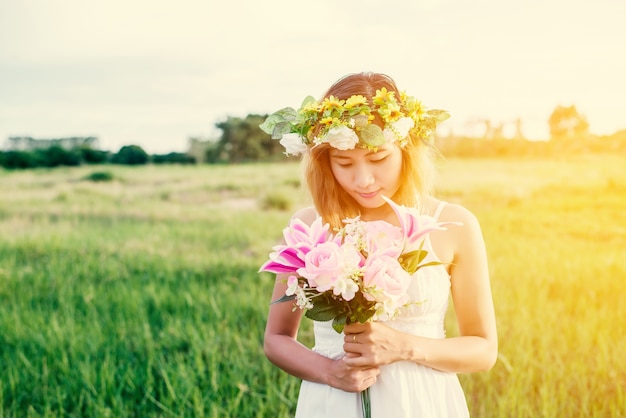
(390, 112)
(311, 107)
(332, 103)
(413, 106)
(383, 97)
(328, 121)
(355, 101)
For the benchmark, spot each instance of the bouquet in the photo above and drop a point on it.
(359, 273)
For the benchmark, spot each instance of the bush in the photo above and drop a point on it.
(99, 176)
(276, 200)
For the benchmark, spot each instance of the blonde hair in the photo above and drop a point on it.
(332, 202)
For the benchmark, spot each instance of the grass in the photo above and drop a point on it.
(140, 296)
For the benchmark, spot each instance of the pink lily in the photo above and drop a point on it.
(300, 239)
(415, 226)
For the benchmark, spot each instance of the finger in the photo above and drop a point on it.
(358, 360)
(354, 328)
(350, 338)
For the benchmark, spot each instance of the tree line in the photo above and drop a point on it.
(243, 141)
(56, 155)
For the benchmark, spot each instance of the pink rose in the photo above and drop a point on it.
(327, 262)
(385, 279)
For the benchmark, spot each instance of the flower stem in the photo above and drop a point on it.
(366, 403)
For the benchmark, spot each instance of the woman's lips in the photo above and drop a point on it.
(368, 195)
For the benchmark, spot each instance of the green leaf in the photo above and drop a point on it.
(411, 261)
(324, 309)
(268, 124)
(284, 298)
(372, 135)
(340, 322)
(280, 117)
(438, 114)
(287, 113)
(280, 129)
(431, 263)
(364, 315)
(307, 100)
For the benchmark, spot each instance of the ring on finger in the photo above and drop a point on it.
(354, 338)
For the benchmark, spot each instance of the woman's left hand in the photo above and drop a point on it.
(373, 344)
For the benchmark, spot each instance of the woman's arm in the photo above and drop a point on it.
(476, 347)
(283, 349)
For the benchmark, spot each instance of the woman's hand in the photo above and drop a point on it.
(351, 378)
(373, 344)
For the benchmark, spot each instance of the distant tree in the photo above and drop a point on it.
(56, 156)
(130, 155)
(566, 122)
(93, 156)
(20, 159)
(173, 158)
(243, 140)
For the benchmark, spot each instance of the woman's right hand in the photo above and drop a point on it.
(349, 378)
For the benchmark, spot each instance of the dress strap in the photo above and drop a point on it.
(439, 209)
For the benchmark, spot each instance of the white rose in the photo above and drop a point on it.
(399, 129)
(341, 137)
(293, 144)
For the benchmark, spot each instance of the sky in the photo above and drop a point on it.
(155, 73)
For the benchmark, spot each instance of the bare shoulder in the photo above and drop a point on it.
(466, 237)
(453, 212)
(306, 215)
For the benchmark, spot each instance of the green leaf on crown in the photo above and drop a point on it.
(279, 123)
(280, 129)
(372, 135)
(307, 100)
(438, 114)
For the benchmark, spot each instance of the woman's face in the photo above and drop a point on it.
(367, 175)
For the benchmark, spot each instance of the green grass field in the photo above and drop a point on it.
(140, 297)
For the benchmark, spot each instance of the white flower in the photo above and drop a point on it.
(345, 287)
(292, 285)
(341, 137)
(398, 129)
(293, 144)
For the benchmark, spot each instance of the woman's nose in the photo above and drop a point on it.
(363, 177)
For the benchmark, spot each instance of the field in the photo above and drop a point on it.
(140, 297)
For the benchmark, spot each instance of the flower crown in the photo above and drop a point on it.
(346, 124)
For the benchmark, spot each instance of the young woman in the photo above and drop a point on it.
(408, 363)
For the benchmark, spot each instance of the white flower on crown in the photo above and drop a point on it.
(399, 129)
(293, 144)
(341, 137)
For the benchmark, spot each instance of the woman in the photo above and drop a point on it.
(352, 158)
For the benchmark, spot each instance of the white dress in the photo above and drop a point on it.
(403, 389)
